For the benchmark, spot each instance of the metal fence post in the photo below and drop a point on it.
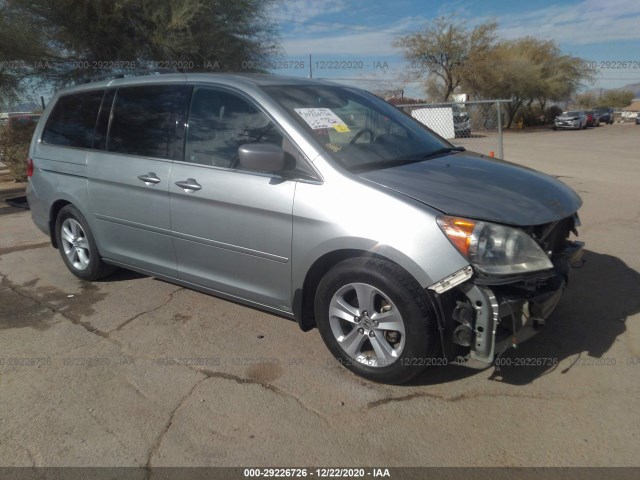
(500, 143)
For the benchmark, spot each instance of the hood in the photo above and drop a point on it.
(470, 185)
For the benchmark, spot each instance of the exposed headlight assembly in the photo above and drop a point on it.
(494, 249)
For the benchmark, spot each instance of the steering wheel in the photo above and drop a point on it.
(261, 132)
(362, 132)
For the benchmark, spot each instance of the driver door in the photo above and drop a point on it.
(231, 228)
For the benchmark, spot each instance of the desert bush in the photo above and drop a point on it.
(14, 145)
(551, 113)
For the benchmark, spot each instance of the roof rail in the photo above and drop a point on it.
(125, 74)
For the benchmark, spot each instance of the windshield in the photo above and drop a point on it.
(357, 129)
(572, 114)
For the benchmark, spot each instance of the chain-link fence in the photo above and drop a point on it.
(476, 126)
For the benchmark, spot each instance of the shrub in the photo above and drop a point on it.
(551, 113)
(14, 144)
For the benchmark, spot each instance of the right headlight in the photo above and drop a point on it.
(494, 249)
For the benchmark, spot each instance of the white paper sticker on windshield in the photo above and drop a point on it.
(318, 118)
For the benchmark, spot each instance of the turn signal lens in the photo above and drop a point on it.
(459, 231)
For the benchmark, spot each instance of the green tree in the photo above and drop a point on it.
(586, 101)
(525, 70)
(442, 52)
(616, 98)
(116, 35)
(20, 49)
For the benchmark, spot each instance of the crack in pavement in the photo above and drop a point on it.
(32, 458)
(156, 445)
(266, 386)
(106, 429)
(208, 374)
(457, 398)
(86, 325)
(22, 248)
(128, 321)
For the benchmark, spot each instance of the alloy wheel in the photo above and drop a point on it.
(367, 324)
(75, 244)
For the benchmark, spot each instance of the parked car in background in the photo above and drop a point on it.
(315, 201)
(574, 119)
(605, 114)
(461, 122)
(638, 119)
(592, 119)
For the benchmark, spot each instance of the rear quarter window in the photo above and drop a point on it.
(73, 119)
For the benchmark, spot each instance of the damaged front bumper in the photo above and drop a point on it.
(487, 315)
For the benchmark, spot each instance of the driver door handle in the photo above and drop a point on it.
(189, 185)
(149, 179)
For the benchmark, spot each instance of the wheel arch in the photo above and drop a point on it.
(304, 297)
(54, 211)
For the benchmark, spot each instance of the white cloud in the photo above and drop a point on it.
(299, 15)
(346, 39)
(588, 22)
(361, 44)
(308, 9)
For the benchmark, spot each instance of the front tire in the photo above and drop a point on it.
(78, 247)
(376, 320)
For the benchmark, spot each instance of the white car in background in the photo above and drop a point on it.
(576, 120)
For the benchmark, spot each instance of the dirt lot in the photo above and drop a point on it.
(138, 372)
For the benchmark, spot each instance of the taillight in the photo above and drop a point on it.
(29, 167)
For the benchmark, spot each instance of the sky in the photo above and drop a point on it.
(351, 41)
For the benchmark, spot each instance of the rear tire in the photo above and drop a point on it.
(376, 320)
(78, 247)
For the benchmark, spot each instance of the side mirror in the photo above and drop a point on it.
(261, 157)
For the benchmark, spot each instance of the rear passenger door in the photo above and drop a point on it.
(232, 228)
(138, 137)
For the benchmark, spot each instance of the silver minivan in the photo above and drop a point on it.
(310, 200)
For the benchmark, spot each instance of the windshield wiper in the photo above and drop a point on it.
(405, 161)
(441, 151)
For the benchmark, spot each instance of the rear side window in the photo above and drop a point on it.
(72, 121)
(148, 121)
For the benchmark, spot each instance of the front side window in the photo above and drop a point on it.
(148, 121)
(73, 120)
(360, 131)
(219, 123)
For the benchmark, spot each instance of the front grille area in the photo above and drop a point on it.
(554, 237)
